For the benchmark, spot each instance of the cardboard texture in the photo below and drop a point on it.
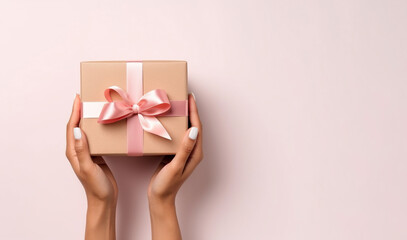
(111, 139)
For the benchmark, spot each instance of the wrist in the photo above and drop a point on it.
(164, 222)
(101, 203)
(97, 205)
(156, 201)
(100, 213)
(159, 205)
(100, 219)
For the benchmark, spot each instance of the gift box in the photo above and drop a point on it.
(134, 108)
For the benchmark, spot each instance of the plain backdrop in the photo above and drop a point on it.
(303, 105)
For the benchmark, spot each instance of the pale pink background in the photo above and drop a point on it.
(303, 105)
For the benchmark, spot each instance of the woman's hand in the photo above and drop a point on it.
(169, 177)
(96, 178)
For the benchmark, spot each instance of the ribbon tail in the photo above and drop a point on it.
(154, 126)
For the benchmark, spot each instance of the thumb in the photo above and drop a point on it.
(82, 149)
(188, 144)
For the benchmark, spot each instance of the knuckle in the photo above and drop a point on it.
(198, 157)
(176, 168)
(188, 147)
(79, 148)
(80, 177)
(68, 154)
(69, 124)
(85, 169)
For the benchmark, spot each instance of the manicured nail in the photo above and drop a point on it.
(77, 133)
(193, 95)
(193, 133)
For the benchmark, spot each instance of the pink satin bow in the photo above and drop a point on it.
(150, 105)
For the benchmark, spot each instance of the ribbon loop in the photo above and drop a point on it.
(148, 107)
(123, 94)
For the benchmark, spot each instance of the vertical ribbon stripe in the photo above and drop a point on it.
(135, 133)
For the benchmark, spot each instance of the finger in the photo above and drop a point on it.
(73, 122)
(75, 115)
(195, 121)
(193, 112)
(82, 150)
(188, 144)
(197, 154)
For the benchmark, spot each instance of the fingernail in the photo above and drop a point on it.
(193, 133)
(77, 133)
(193, 95)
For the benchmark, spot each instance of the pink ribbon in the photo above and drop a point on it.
(152, 104)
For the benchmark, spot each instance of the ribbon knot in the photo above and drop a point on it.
(146, 109)
(135, 108)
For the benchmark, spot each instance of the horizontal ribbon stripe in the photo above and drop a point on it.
(92, 109)
(178, 109)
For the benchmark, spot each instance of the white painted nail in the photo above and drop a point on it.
(193, 133)
(193, 95)
(77, 133)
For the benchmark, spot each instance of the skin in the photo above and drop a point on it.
(97, 179)
(168, 179)
(101, 188)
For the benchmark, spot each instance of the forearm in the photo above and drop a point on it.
(100, 221)
(164, 222)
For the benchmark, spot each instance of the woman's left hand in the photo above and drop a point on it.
(169, 177)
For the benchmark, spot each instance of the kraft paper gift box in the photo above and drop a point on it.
(141, 93)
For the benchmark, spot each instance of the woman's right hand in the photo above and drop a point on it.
(97, 179)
